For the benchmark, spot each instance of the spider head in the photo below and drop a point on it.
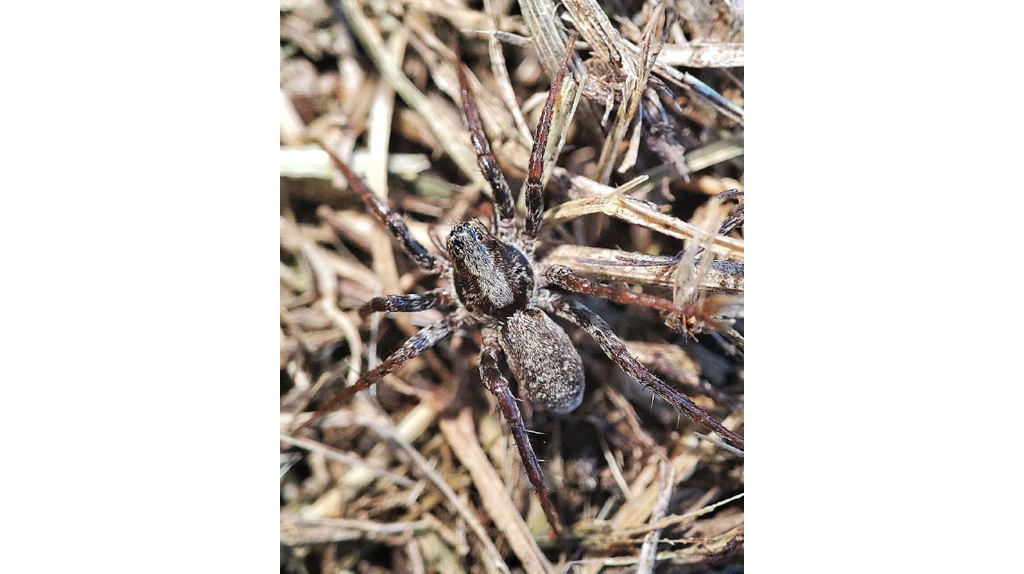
(492, 278)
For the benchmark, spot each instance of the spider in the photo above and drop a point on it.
(502, 289)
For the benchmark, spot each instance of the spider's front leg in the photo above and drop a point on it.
(425, 339)
(505, 213)
(534, 188)
(391, 220)
(616, 350)
(497, 384)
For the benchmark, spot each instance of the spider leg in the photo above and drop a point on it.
(505, 213)
(407, 303)
(436, 240)
(425, 339)
(564, 277)
(736, 218)
(534, 190)
(616, 350)
(393, 221)
(497, 384)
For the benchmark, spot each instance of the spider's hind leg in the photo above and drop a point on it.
(425, 339)
(616, 350)
(497, 384)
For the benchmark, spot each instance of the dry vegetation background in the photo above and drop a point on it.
(421, 475)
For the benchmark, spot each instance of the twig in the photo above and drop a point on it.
(637, 70)
(378, 140)
(703, 55)
(415, 557)
(641, 269)
(460, 434)
(718, 442)
(411, 427)
(644, 214)
(351, 460)
(645, 564)
(298, 531)
(613, 466)
(508, 94)
(637, 511)
(675, 519)
(442, 128)
(547, 35)
(496, 563)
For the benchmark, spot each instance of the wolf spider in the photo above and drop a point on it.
(501, 288)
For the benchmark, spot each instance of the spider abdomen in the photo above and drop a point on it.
(543, 360)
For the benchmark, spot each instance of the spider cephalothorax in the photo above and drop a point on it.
(492, 278)
(503, 292)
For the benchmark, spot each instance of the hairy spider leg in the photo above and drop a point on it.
(616, 350)
(564, 277)
(505, 213)
(735, 219)
(407, 303)
(391, 220)
(497, 384)
(425, 339)
(534, 189)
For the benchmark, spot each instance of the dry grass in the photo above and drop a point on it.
(420, 475)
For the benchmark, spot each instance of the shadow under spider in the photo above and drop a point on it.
(502, 290)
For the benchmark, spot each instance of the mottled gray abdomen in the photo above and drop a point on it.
(543, 360)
